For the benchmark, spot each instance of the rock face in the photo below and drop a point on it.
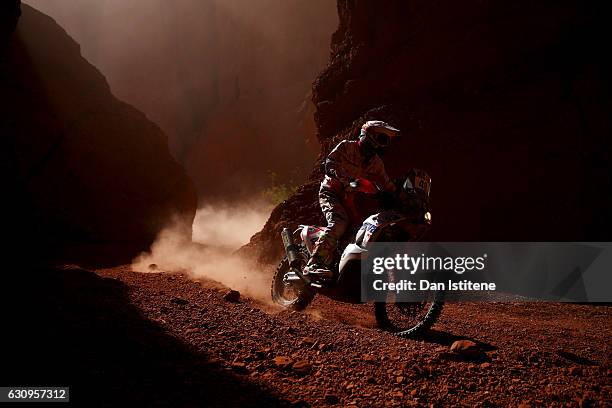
(78, 165)
(9, 15)
(227, 80)
(506, 105)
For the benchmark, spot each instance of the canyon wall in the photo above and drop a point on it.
(505, 104)
(228, 81)
(78, 165)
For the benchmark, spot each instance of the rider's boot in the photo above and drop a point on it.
(318, 269)
(321, 257)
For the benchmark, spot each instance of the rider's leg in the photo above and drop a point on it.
(337, 222)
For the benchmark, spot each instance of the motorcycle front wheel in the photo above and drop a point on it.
(408, 319)
(291, 295)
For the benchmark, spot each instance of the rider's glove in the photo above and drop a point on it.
(363, 185)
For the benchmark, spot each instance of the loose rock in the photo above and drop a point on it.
(282, 362)
(179, 301)
(232, 296)
(466, 348)
(301, 367)
(309, 341)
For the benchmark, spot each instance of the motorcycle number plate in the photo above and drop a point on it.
(422, 183)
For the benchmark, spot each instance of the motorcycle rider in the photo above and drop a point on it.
(348, 161)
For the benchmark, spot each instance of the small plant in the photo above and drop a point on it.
(278, 191)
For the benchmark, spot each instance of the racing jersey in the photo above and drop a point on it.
(346, 162)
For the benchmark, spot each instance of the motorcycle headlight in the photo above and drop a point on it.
(427, 216)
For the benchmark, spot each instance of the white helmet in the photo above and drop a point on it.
(378, 133)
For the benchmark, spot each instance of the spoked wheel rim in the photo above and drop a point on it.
(404, 316)
(286, 292)
(293, 295)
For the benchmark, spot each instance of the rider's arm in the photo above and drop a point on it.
(379, 175)
(335, 164)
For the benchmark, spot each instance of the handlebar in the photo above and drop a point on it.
(364, 186)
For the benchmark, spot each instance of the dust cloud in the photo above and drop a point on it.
(217, 232)
(221, 78)
(227, 225)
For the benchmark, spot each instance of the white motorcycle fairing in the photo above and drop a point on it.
(368, 232)
(352, 252)
(374, 224)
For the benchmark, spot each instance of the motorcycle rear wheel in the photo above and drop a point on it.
(297, 298)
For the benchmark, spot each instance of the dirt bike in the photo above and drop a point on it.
(401, 216)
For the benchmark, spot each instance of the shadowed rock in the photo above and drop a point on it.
(506, 105)
(78, 164)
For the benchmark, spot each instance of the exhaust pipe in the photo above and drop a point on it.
(292, 251)
(294, 258)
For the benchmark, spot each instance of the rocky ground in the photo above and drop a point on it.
(165, 340)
